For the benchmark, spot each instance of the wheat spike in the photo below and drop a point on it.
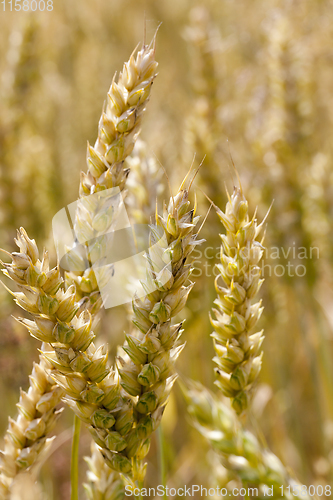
(238, 449)
(118, 129)
(27, 436)
(147, 370)
(40, 288)
(235, 315)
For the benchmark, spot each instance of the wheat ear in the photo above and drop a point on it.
(42, 285)
(238, 449)
(118, 129)
(38, 286)
(26, 437)
(92, 389)
(147, 373)
(117, 132)
(234, 318)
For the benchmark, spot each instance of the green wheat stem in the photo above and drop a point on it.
(162, 464)
(75, 459)
(140, 485)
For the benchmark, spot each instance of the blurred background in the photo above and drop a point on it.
(239, 81)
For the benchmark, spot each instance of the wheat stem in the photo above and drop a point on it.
(160, 443)
(75, 459)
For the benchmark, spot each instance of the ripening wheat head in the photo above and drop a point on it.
(236, 344)
(238, 449)
(147, 373)
(118, 129)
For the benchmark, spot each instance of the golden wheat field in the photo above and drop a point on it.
(209, 126)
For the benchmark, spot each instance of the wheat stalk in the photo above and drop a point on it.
(237, 348)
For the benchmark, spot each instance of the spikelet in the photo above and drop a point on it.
(118, 129)
(234, 318)
(238, 450)
(26, 437)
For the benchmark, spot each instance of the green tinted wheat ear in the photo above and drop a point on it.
(147, 373)
(126, 419)
(26, 437)
(118, 129)
(234, 318)
(238, 449)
